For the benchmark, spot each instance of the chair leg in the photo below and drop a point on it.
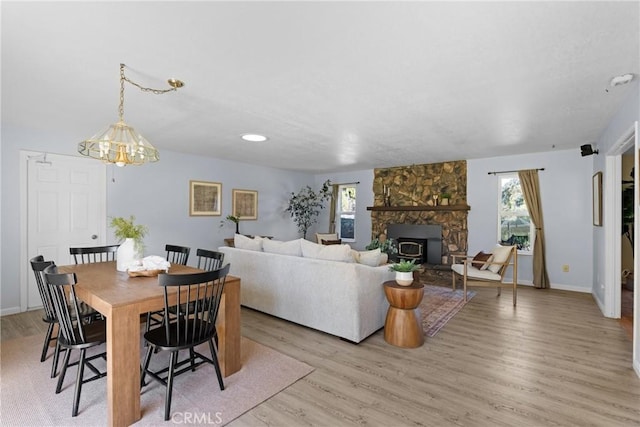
(453, 281)
(47, 340)
(515, 292)
(216, 364)
(192, 358)
(56, 356)
(78, 389)
(63, 372)
(147, 359)
(499, 291)
(464, 287)
(167, 399)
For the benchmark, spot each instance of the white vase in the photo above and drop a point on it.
(404, 278)
(127, 253)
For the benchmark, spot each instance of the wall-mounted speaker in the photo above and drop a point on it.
(587, 150)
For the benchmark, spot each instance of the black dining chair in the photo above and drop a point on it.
(194, 325)
(74, 333)
(38, 265)
(209, 260)
(94, 254)
(175, 255)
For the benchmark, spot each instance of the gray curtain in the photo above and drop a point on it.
(531, 191)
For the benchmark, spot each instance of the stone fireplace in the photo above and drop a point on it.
(410, 192)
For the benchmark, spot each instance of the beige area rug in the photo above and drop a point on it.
(27, 394)
(439, 305)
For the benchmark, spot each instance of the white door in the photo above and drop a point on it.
(66, 206)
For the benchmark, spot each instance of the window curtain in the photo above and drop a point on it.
(332, 209)
(531, 190)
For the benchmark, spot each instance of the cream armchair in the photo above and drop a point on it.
(487, 271)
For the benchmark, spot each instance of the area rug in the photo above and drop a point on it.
(27, 394)
(439, 305)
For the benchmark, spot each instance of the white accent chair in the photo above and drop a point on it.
(489, 273)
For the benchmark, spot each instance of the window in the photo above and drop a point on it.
(514, 224)
(346, 213)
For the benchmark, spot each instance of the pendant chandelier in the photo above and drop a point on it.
(120, 143)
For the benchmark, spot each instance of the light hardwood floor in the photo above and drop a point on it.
(551, 361)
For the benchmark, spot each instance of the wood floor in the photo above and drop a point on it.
(551, 361)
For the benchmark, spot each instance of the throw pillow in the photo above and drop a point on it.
(291, 247)
(500, 255)
(326, 236)
(331, 242)
(370, 258)
(480, 260)
(330, 253)
(244, 242)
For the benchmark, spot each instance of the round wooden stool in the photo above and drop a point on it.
(402, 327)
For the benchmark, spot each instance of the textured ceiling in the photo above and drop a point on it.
(335, 86)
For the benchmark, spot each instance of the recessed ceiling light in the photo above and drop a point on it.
(254, 137)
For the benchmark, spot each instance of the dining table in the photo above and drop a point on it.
(122, 299)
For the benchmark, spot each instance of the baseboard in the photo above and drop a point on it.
(636, 367)
(8, 311)
(558, 286)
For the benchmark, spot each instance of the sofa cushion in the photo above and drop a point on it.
(244, 242)
(326, 236)
(292, 247)
(329, 253)
(500, 254)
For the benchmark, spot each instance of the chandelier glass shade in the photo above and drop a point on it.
(120, 144)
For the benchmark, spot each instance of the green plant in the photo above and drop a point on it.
(387, 246)
(233, 219)
(305, 206)
(404, 266)
(125, 229)
(445, 196)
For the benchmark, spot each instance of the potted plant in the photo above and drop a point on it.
(404, 271)
(386, 245)
(305, 206)
(234, 219)
(130, 235)
(444, 199)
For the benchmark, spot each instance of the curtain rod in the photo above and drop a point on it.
(496, 173)
(345, 183)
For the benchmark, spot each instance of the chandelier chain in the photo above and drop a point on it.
(123, 78)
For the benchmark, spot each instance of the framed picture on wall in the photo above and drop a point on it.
(597, 199)
(245, 204)
(204, 198)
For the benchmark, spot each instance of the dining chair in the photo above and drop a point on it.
(194, 325)
(209, 260)
(94, 254)
(38, 265)
(177, 254)
(74, 333)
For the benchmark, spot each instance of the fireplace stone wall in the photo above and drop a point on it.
(410, 190)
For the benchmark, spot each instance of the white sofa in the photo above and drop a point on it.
(345, 299)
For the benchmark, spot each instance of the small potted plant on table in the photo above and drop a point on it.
(131, 236)
(404, 271)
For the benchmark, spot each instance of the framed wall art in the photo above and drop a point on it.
(204, 198)
(245, 204)
(597, 199)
